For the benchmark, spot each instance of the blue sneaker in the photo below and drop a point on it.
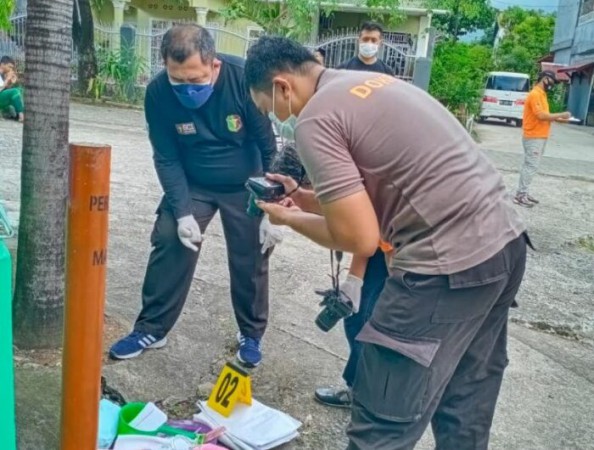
(134, 344)
(249, 354)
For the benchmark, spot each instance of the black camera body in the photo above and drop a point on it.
(261, 188)
(264, 189)
(336, 308)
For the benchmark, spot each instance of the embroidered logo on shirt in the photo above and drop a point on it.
(234, 123)
(186, 128)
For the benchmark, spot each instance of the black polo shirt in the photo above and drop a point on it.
(216, 147)
(355, 63)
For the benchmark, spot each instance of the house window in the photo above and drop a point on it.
(397, 38)
(326, 21)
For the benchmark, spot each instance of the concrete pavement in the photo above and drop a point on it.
(547, 399)
(569, 152)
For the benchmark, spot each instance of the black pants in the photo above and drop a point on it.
(376, 273)
(171, 266)
(434, 351)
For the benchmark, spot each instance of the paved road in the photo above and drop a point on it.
(569, 152)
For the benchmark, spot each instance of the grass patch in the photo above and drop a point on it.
(586, 242)
(563, 331)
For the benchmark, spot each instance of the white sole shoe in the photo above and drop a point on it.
(155, 345)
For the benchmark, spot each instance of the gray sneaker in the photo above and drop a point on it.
(522, 200)
(532, 199)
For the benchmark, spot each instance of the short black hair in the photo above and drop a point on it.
(371, 26)
(287, 162)
(547, 74)
(7, 60)
(182, 41)
(271, 55)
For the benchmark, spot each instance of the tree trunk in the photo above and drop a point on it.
(84, 42)
(39, 295)
(455, 21)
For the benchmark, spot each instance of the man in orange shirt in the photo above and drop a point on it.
(537, 128)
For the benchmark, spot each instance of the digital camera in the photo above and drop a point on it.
(336, 308)
(261, 188)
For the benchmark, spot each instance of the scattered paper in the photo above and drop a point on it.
(149, 419)
(131, 442)
(256, 427)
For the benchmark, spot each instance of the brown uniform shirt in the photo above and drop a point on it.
(439, 201)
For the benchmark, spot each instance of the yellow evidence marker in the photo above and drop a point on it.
(234, 385)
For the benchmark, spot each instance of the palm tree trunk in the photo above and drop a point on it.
(39, 295)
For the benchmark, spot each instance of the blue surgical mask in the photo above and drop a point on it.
(192, 96)
(285, 128)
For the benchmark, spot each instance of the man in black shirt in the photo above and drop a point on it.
(207, 138)
(370, 39)
(320, 55)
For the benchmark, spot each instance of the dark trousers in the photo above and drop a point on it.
(434, 351)
(171, 266)
(376, 273)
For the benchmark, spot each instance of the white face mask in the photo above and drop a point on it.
(285, 128)
(368, 50)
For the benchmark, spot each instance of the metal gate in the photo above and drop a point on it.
(12, 42)
(340, 49)
(226, 41)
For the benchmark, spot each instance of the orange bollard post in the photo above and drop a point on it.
(86, 258)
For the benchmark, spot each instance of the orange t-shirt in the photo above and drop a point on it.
(536, 102)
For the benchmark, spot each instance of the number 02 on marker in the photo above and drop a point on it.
(232, 386)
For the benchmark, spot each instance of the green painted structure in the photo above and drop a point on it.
(7, 406)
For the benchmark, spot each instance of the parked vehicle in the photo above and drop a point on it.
(504, 97)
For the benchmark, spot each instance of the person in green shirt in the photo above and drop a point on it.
(11, 98)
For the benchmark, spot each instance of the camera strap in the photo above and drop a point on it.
(335, 268)
(301, 178)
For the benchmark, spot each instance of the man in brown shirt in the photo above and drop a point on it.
(388, 161)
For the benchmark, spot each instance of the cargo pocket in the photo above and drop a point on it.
(472, 292)
(393, 374)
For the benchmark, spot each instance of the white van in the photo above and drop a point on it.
(505, 96)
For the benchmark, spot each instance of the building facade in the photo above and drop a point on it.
(573, 48)
(411, 35)
(336, 32)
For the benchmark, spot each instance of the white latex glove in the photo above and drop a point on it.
(351, 288)
(270, 235)
(188, 232)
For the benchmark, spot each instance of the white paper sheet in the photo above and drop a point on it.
(256, 427)
(129, 442)
(150, 418)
